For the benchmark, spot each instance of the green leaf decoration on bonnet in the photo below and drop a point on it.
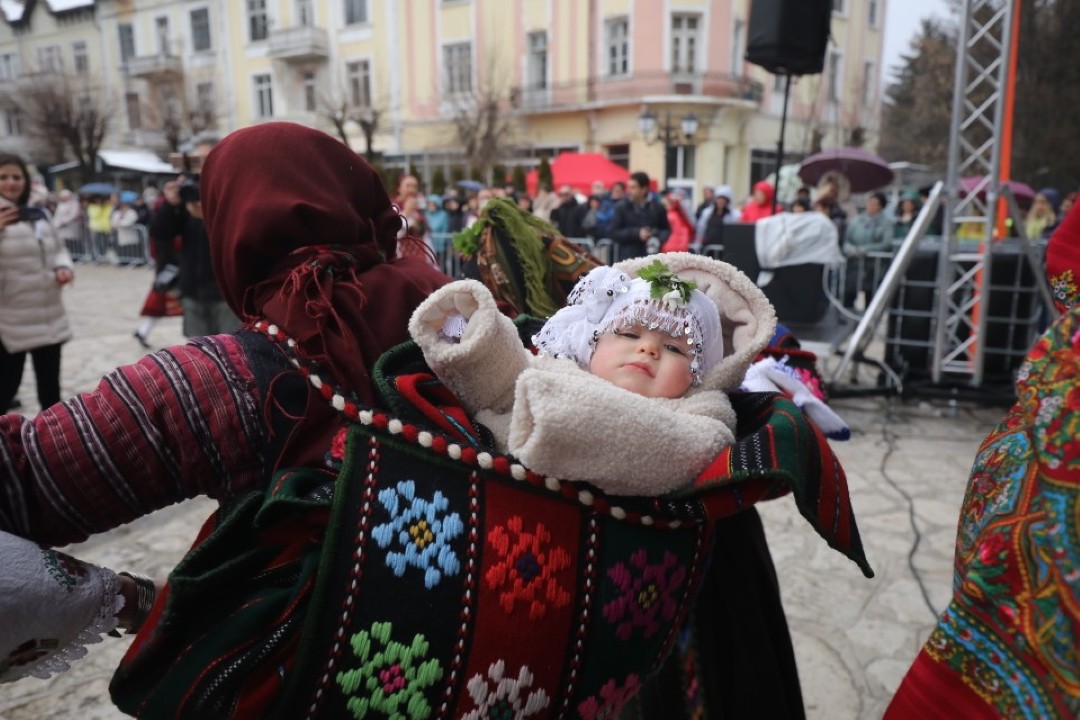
(666, 286)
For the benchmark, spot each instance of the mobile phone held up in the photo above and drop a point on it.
(31, 214)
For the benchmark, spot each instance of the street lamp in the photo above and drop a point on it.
(667, 132)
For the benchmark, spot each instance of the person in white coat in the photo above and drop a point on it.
(34, 266)
(70, 221)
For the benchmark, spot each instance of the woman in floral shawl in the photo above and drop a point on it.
(1008, 645)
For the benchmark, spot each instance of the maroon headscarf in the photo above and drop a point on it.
(303, 234)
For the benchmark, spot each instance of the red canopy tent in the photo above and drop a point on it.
(580, 171)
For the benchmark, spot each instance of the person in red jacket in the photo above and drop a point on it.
(761, 203)
(682, 230)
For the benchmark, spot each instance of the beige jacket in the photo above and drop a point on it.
(562, 421)
(31, 308)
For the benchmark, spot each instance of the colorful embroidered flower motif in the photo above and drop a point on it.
(335, 456)
(527, 568)
(647, 594)
(392, 676)
(610, 701)
(1064, 288)
(420, 531)
(498, 697)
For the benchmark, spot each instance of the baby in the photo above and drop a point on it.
(628, 389)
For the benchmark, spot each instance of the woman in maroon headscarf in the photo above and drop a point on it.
(309, 245)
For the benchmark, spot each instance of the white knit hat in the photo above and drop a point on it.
(608, 300)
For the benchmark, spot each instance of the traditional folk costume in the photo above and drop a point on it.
(1008, 645)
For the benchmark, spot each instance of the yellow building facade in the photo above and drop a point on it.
(412, 76)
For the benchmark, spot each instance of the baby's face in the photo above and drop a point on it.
(643, 361)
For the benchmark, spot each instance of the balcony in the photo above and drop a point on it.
(154, 66)
(302, 43)
(629, 89)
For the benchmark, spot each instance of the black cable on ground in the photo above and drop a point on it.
(890, 439)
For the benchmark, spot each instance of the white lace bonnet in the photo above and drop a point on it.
(608, 300)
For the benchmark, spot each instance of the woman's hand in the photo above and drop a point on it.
(64, 276)
(8, 216)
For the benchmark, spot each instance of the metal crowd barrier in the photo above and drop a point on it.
(126, 246)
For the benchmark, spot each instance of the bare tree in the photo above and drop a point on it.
(179, 115)
(482, 120)
(342, 113)
(61, 111)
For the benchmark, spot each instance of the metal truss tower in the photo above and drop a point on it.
(979, 146)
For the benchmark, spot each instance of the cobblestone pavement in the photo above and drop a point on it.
(907, 464)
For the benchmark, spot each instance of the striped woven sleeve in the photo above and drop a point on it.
(179, 423)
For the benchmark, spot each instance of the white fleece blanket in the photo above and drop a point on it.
(558, 419)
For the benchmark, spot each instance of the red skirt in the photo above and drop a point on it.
(162, 303)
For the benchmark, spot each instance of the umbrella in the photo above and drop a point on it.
(97, 188)
(470, 185)
(863, 169)
(1023, 192)
(129, 196)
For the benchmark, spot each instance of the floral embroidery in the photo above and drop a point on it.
(1064, 288)
(335, 456)
(498, 697)
(29, 652)
(66, 570)
(647, 594)
(392, 676)
(421, 531)
(527, 568)
(611, 699)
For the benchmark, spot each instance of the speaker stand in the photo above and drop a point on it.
(780, 144)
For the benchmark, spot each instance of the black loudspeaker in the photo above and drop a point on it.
(789, 37)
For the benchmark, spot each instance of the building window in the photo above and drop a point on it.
(680, 162)
(127, 41)
(763, 163)
(834, 76)
(161, 31)
(538, 60)
(457, 59)
(356, 12)
(685, 38)
(358, 79)
(264, 96)
(738, 28)
(13, 120)
(258, 22)
(838, 6)
(869, 87)
(134, 110)
(309, 91)
(872, 12)
(200, 29)
(305, 13)
(206, 102)
(10, 66)
(50, 59)
(81, 57)
(617, 32)
(620, 155)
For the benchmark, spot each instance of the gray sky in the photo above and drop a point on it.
(901, 23)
